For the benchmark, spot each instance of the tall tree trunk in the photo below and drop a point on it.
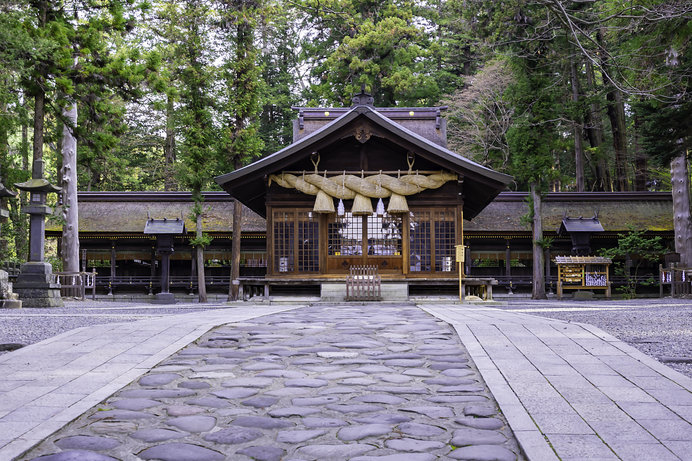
(169, 182)
(538, 291)
(641, 176)
(578, 144)
(616, 114)
(21, 240)
(235, 251)
(682, 222)
(39, 112)
(201, 280)
(594, 132)
(70, 230)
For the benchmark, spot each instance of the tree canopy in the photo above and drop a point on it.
(565, 95)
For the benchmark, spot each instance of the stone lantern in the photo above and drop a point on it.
(8, 299)
(165, 231)
(35, 285)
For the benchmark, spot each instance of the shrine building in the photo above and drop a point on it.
(365, 186)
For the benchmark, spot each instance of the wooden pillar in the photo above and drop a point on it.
(467, 257)
(152, 273)
(406, 243)
(193, 270)
(323, 220)
(508, 266)
(547, 269)
(112, 275)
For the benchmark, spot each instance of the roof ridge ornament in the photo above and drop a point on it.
(363, 98)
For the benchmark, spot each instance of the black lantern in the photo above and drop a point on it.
(165, 231)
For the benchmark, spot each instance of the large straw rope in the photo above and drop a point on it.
(346, 186)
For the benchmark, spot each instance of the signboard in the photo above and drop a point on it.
(461, 253)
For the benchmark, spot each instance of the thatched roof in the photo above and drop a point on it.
(617, 211)
(118, 212)
(103, 212)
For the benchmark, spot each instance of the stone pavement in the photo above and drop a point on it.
(48, 384)
(342, 382)
(386, 382)
(571, 391)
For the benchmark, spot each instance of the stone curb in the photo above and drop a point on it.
(531, 441)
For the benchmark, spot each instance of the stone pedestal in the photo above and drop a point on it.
(8, 299)
(164, 298)
(34, 286)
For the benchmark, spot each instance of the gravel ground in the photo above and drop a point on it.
(661, 328)
(28, 326)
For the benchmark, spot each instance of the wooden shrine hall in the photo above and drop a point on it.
(364, 187)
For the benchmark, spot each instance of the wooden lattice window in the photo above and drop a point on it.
(384, 235)
(308, 243)
(432, 236)
(345, 235)
(420, 247)
(284, 241)
(444, 240)
(293, 254)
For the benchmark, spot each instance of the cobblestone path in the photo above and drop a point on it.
(375, 382)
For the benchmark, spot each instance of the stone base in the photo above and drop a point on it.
(8, 299)
(391, 291)
(10, 304)
(583, 295)
(34, 287)
(164, 298)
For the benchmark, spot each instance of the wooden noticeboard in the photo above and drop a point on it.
(461, 253)
(582, 273)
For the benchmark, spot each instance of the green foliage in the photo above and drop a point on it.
(203, 241)
(379, 44)
(640, 249)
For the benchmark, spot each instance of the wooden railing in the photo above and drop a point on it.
(679, 279)
(363, 284)
(75, 284)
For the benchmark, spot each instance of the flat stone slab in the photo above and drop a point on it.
(196, 423)
(263, 453)
(293, 411)
(483, 453)
(134, 404)
(262, 422)
(178, 451)
(234, 435)
(352, 433)
(76, 455)
(398, 457)
(413, 445)
(157, 435)
(298, 436)
(420, 430)
(86, 442)
(158, 379)
(431, 412)
(248, 382)
(472, 436)
(340, 451)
